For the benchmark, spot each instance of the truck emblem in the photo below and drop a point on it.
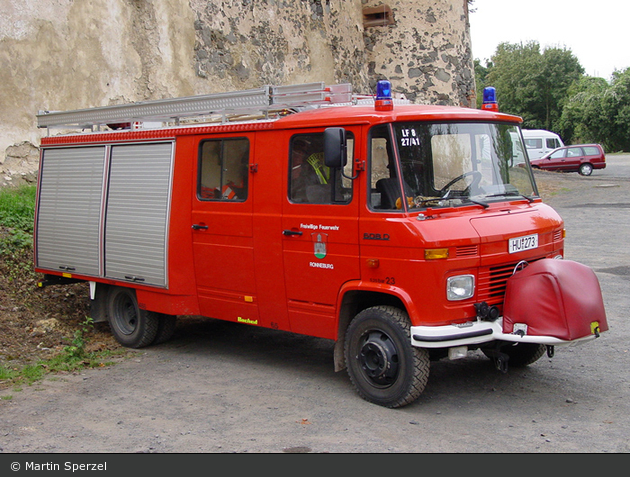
(319, 244)
(367, 236)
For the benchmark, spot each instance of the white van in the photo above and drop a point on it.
(539, 142)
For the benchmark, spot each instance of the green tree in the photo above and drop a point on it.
(615, 105)
(597, 111)
(533, 84)
(582, 115)
(560, 70)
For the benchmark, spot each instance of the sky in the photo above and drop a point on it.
(596, 31)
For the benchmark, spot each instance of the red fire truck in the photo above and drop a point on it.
(405, 233)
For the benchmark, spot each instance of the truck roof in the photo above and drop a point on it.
(319, 117)
(366, 114)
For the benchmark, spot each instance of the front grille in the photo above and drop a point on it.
(467, 251)
(492, 282)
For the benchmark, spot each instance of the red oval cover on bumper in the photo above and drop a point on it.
(558, 298)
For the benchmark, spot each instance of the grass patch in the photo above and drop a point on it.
(73, 358)
(17, 215)
(64, 362)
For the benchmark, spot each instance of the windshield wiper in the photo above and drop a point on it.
(529, 199)
(478, 202)
(510, 194)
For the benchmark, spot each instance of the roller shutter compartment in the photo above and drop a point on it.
(136, 224)
(69, 209)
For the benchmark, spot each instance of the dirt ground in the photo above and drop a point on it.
(223, 387)
(37, 323)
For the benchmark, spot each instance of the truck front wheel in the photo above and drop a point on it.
(131, 326)
(382, 364)
(524, 354)
(519, 355)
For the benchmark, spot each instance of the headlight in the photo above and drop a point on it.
(460, 287)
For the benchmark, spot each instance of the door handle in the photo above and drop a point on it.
(291, 232)
(199, 227)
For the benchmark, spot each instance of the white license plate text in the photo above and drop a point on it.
(519, 244)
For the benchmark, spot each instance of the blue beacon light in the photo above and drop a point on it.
(490, 99)
(384, 101)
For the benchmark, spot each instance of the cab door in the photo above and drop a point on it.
(319, 234)
(222, 230)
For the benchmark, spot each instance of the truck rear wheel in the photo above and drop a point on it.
(166, 328)
(131, 326)
(382, 364)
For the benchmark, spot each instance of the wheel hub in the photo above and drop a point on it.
(379, 358)
(126, 316)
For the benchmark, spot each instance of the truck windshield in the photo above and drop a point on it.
(447, 164)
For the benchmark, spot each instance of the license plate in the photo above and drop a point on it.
(519, 244)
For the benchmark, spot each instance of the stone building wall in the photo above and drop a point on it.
(426, 53)
(248, 43)
(74, 54)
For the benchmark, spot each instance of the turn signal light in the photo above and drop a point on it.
(372, 263)
(435, 253)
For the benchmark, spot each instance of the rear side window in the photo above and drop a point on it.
(223, 169)
(591, 151)
(574, 152)
(533, 143)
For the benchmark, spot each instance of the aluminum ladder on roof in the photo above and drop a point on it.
(259, 100)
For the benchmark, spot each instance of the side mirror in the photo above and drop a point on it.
(335, 148)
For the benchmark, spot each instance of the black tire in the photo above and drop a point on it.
(586, 169)
(131, 326)
(382, 364)
(166, 328)
(523, 354)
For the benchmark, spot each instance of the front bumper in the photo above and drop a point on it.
(479, 332)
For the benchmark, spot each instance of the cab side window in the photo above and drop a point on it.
(223, 169)
(553, 143)
(310, 180)
(384, 183)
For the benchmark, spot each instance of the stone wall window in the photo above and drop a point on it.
(378, 16)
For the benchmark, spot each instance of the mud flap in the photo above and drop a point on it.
(557, 298)
(98, 302)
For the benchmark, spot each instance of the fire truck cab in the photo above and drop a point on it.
(402, 232)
